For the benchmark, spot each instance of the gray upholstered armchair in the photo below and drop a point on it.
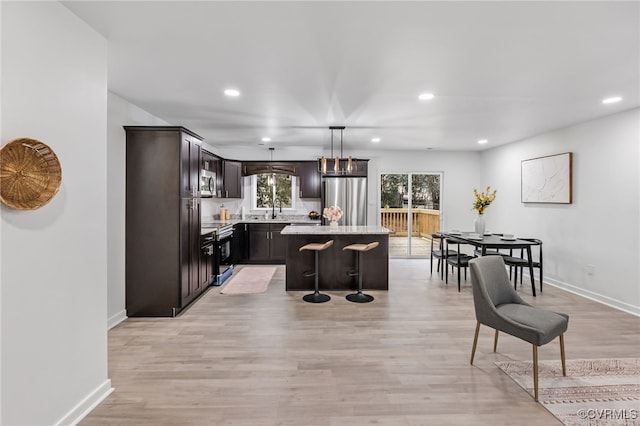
(499, 306)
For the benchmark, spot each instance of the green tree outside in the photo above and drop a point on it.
(265, 193)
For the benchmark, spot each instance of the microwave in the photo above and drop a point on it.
(207, 184)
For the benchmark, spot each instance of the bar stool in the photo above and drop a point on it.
(359, 297)
(316, 296)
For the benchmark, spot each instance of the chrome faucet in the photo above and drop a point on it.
(273, 208)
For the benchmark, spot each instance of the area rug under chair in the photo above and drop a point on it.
(249, 279)
(594, 392)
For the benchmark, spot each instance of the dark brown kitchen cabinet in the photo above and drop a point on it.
(163, 247)
(360, 168)
(278, 248)
(309, 179)
(231, 180)
(265, 243)
(207, 259)
(240, 243)
(259, 242)
(210, 162)
(259, 167)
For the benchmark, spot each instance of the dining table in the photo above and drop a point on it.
(496, 241)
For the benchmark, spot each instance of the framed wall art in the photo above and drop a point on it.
(547, 179)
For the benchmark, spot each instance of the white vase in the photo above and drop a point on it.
(479, 225)
(333, 224)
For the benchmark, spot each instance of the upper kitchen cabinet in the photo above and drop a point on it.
(231, 180)
(162, 241)
(210, 162)
(190, 158)
(309, 179)
(360, 168)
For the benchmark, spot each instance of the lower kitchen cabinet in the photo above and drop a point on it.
(278, 249)
(259, 242)
(262, 243)
(240, 243)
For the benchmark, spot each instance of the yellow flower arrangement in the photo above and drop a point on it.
(483, 199)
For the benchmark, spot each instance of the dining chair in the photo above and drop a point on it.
(522, 262)
(459, 260)
(500, 307)
(439, 253)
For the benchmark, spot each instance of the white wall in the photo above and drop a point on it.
(53, 278)
(120, 113)
(601, 226)
(459, 176)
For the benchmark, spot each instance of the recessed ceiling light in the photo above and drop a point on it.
(482, 141)
(266, 139)
(232, 92)
(426, 96)
(375, 140)
(612, 100)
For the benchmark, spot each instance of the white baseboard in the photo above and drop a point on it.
(116, 319)
(596, 297)
(85, 406)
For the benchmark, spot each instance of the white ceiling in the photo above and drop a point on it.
(500, 71)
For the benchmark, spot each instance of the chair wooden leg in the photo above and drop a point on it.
(535, 372)
(564, 367)
(458, 279)
(495, 342)
(475, 341)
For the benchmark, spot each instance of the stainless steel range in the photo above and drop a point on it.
(223, 249)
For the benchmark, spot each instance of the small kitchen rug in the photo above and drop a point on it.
(594, 392)
(249, 279)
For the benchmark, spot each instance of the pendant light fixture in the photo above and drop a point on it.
(337, 159)
(272, 179)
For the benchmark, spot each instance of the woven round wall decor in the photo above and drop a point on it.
(30, 174)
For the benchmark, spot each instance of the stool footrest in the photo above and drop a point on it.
(309, 273)
(353, 273)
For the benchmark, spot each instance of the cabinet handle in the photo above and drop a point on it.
(245, 227)
(227, 193)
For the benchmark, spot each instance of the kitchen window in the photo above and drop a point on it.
(267, 187)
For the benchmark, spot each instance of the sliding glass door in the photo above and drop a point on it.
(410, 206)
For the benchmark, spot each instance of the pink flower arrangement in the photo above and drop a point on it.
(332, 213)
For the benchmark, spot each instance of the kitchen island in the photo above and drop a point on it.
(334, 263)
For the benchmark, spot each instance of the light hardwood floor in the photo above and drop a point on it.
(272, 359)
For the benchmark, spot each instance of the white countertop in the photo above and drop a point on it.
(327, 230)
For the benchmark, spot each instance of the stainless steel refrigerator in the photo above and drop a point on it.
(350, 194)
